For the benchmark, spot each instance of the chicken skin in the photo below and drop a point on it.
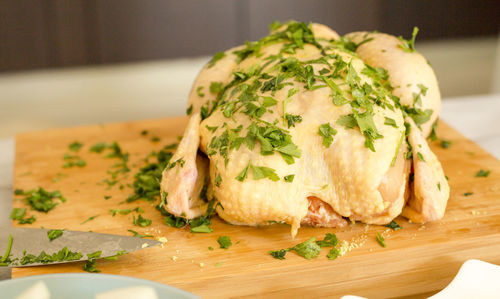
(305, 127)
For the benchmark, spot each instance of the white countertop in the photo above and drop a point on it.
(476, 117)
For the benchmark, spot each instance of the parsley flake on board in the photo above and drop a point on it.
(482, 173)
(333, 253)
(394, 225)
(330, 240)
(445, 143)
(90, 219)
(468, 193)
(54, 234)
(138, 235)
(141, 221)
(40, 199)
(19, 213)
(380, 239)
(224, 242)
(308, 249)
(75, 146)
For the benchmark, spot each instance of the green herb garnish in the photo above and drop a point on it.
(91, 262)
(394, 225)
(308, 249)
(138, 235)
(409, 45)
(327, 132)
(218, 56)
(140, 221)
(333, 254)
(224, 242)
(482, 173)
(279, 254)
(40, 199)
(75, 146)
(54, 234)
(445, 143)
(260, 172)
(201, 229)
(6, 258)
(18, 214)
(468, 193)
(90, 219)
(289, 178)
(380, 239)
(330, 240)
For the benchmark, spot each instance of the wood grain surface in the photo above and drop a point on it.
(419, 259)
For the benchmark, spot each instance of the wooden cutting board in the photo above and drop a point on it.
(419, 259)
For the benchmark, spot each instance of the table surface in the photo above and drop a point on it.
(476, 117)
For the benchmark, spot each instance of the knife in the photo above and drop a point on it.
(35, 241)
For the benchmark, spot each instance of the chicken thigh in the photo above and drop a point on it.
(307, 127)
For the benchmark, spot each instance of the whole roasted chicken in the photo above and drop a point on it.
(306, 127)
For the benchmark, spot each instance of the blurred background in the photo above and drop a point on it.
(75, 62)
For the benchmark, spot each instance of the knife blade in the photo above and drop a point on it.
(35, 241)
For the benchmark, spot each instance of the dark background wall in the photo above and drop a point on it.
(59, 33)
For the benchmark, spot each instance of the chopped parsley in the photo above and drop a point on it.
(261, 172)
(380, 239)
(115, 257)
(279, 254)
(113, 212)
(468, 193)
(75, 146)
(327, 132)
(146, 183)
(330, 240)
(308, 249)
(189, 110)
(433, 134)
(201, 229)
(482, 173)
(19, 213)
(91, 262)
(218, 56)
(445, 143)
(141, 221)
(199, 91)
(155, 139)
(333, 254)
(62, 255)
(54, 234)
(90, 219)
(394, 225)
(289, 178)
(243, 174)
(224, 242)
(420, 157)
(40, 199)
(409, 45)
(72, 161)
(138, 235)
(5, 259)
(390, 122)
